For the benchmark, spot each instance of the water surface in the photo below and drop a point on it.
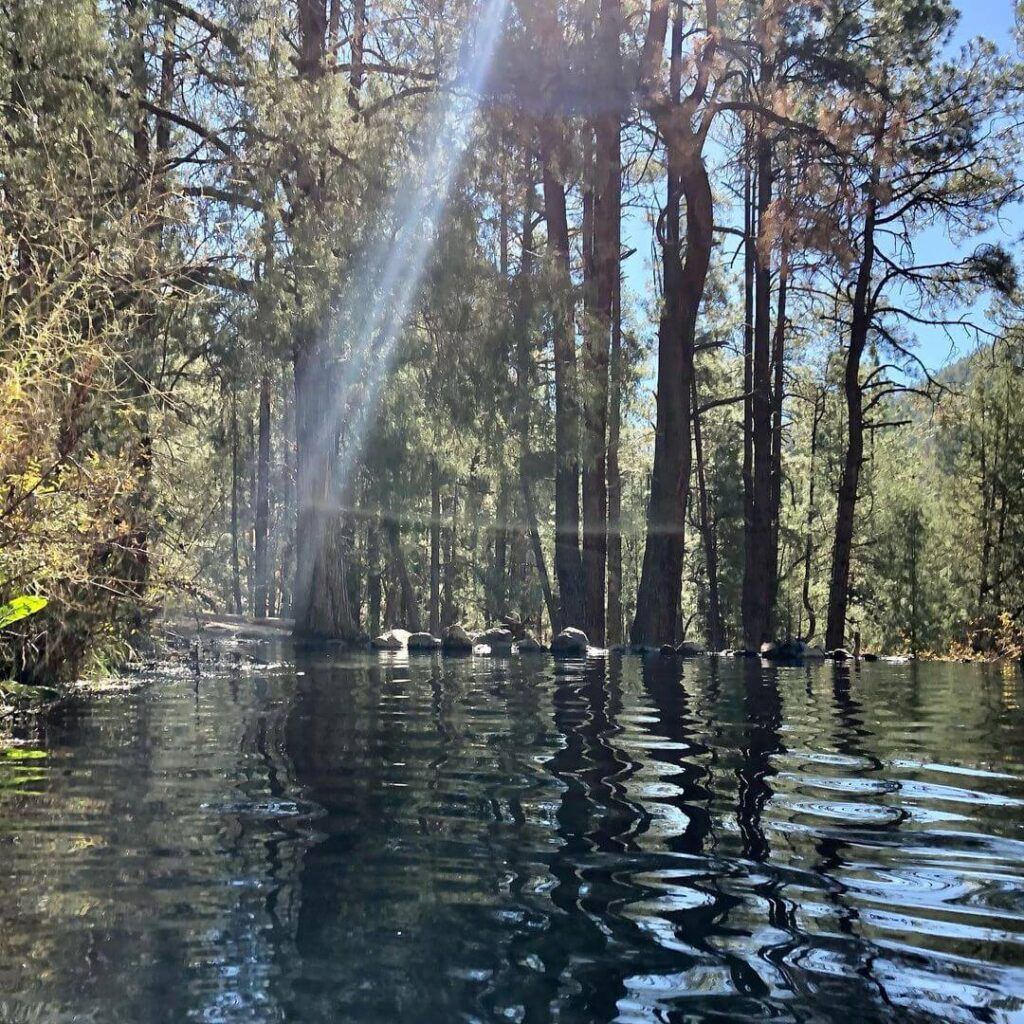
(386, 838)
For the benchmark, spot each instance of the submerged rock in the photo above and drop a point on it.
(456, 640)
(742, 652)
(667, 651)
(790, 649)
(570, 641)
(498, 639)
(423, 642)
(529, 644)
(839, 654)
(688, 649)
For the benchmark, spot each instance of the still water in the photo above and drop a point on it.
(381, 838)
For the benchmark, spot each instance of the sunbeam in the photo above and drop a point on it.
(373, 309)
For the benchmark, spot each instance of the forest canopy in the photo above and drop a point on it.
(595, 313)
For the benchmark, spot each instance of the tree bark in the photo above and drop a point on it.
(262, 511)
(410, 606)
(568, 560)
(778, 399)
(614, 610)
(747, 597)
(236, 572)
(846, 503)
(713, 624)
(435, 550)
(819, 413)
(356, 74)
(524, 377)
(604, 266)
(657, 618)
(499, 594)
(373, 582)
(538, 553)
(287, 521)
(757, 609)
(594, 408)
(321, 599)
(449, 611)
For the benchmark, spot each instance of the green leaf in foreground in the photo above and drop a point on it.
(20, 608)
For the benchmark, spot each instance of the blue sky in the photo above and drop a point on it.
(993, 19)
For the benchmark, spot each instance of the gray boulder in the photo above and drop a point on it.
(790, 649)
(688, 649)
(392, 640)
(570, 642)
(423, 642)
(456, 640)
(496, 638)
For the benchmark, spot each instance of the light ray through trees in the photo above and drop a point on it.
(373, 310)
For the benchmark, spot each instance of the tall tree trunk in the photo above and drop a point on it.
(988, 504)
(150, 171)
(353, 572)
(499, 595)
(288, 518)
(236, 572)
(604, 266)
(819, 413)
(1003, 454)
(538, 554)
(321, 597)
(846, 503)
(713, 625)
(614, 611)
(357, 44)
(523, 313)
(778, 399)
(757, 611)
(657, 618)
(594, 408)
(449, 612)
(410, 606)
(321, 600)
(435, 549)
(568, 560)
(747, 597)
(262, 511)
(373, 582)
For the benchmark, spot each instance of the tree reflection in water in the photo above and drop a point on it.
(379, 838)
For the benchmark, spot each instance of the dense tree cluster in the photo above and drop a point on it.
(332, 310)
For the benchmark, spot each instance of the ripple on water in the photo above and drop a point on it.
(364, 839)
